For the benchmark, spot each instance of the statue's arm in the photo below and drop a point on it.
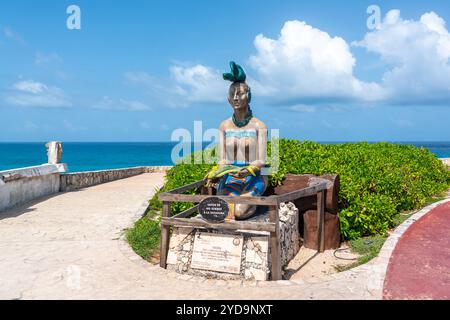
(262, 147)
(222, 153)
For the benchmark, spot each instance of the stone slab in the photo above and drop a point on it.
(217, 252)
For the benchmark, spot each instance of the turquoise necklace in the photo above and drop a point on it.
(244, 122)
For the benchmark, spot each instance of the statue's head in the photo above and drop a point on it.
(239, 94)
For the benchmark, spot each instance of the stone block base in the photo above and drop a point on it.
(253, 262)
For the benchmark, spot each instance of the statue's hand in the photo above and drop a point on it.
(243, 173)
(209, 183)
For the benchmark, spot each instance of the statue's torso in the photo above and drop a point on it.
(241, 145)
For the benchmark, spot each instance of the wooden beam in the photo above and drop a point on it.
(274, 241)
(165, 236)
(302, 192)
(270, 200)
(320, 221)
(187, 212)
(187, 187)
(228, 225)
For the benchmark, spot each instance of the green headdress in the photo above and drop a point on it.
(237, 74)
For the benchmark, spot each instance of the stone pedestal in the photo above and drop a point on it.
(54, 152)
(227, 255)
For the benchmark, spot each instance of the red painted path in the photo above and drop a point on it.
(419, 267)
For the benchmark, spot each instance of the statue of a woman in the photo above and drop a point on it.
(242, 148)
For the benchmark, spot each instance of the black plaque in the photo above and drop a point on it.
(213, 209)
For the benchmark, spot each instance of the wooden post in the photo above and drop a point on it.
(275, 244)
(320, 221)
(165, 237)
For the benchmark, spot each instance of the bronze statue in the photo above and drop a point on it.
(242, 148)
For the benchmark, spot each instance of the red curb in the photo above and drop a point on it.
(419, 267)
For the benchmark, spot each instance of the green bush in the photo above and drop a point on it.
(144, 237)
(378, 180)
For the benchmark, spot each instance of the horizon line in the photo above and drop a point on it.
(206, 142)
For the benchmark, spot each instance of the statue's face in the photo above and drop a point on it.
(237, 95)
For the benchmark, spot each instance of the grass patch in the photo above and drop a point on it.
(367, 247)
(145, 235)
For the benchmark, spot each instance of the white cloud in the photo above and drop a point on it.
(417, 53)
(106, 103)
(307, 64)
(30, 86)
(30, 93)
(304, 68)
(303, 65)
(199, 83)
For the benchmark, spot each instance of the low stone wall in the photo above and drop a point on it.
(19, 186)
(78, 180)
(254, 259)
(160, 169)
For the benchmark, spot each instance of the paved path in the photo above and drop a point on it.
(66, 245)
(419, 267)
(70, 246)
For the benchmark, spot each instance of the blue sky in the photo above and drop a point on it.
(137, 70)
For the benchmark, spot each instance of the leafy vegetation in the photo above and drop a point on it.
(367, 248)
(378, 180)
(144, 236)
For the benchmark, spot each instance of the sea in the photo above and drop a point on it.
(89, 156)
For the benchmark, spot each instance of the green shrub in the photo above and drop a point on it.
(144, 237)
(378, 180)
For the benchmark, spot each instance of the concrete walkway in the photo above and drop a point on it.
(70, 246)
(66, 246)
(419, 267)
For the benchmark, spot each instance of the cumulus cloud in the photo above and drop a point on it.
(304, 67)
(417, 53)
(30, 93)
(307, 64)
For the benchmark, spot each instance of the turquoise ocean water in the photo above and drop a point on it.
(81, 156)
